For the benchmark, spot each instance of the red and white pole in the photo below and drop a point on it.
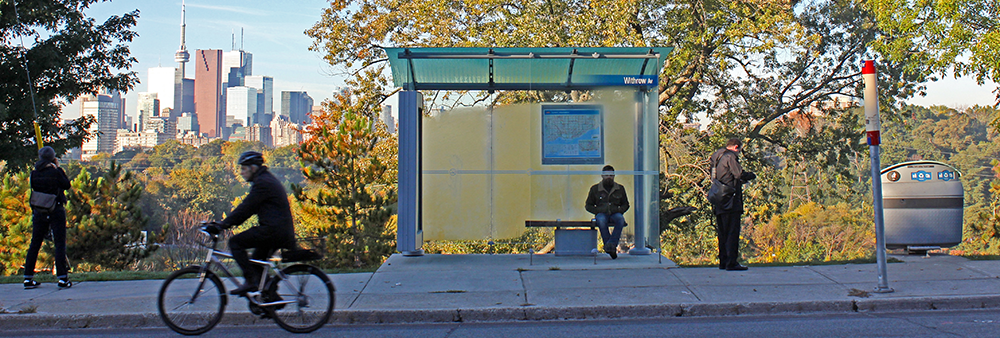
(873, 129)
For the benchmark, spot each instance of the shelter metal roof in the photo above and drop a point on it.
(559, 68)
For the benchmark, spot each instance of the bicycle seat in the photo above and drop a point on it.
(299, 255)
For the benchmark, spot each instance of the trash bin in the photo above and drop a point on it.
(923, 204)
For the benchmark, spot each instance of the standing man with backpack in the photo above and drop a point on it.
(726, 169)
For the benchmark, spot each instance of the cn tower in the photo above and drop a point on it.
(182, 55)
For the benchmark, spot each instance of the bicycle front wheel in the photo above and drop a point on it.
(310, 294)
(189, 304)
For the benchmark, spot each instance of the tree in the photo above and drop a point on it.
(15, 220)
(67, 54)
(104, 221)
(351, 163)
(780, 74)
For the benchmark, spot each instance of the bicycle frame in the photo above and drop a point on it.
(212, 258)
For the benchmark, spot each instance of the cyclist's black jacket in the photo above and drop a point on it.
(267, 200)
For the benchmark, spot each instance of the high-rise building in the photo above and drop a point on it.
(260, 133)
(386, 117)
(141, 139)
(148, 106)
(106, 108)
(296, 106)
(163, 125)
(187, 124)
(208, 92)
(241, 103)
(265, 97)
(236, 65)
(284, 133)
(161, 82)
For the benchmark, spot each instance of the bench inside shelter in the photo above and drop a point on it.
(573, 238)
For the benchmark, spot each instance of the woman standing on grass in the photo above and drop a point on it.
(48, 178)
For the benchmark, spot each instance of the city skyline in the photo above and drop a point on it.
(275, 38)
(281, 49)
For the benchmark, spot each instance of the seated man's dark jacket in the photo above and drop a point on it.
(607, 201)
(50, 180)
(267, 199)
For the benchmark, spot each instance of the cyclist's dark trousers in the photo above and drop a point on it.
(264, 243)
(41, 223)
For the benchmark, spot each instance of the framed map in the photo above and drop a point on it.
(573, 134)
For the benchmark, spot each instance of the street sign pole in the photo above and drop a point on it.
(873, 129)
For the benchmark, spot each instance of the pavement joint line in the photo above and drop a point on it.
(810, 268)
(372, 276)
(524, 288)
(987, 274)
(686, 285)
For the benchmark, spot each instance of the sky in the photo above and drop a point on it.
(273, 33)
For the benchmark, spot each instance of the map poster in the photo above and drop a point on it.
(572, 134)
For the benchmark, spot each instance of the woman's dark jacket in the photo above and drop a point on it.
(49, 179)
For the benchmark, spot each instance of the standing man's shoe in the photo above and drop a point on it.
(722, 266)
(30, 284)
(64, 284)
(736, 268)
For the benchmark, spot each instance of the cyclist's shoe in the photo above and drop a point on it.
(243, 289)
(30, 284)
(64, 284)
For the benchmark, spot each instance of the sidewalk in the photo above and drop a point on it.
(454, 288)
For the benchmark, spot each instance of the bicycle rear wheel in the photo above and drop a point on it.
(189, 304)
(312, 294)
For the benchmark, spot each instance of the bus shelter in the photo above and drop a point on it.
(479, 173)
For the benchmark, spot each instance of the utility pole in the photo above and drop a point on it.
(873, 128)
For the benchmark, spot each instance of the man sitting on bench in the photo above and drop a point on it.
(607, 200)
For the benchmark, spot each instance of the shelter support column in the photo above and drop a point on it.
(642, 200)
(409, 230)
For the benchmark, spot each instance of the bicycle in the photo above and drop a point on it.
(299, 297)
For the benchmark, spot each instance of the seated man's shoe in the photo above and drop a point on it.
(613, 251)
(30, 284)
(736, 268)
(64, 284)
(243, 289)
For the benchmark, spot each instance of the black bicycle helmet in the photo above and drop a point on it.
(251, 158)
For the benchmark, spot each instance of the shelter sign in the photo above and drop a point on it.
(572, 134)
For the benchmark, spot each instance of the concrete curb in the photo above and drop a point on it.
(131, 320)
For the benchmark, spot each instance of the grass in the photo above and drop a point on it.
(981, 257)
(134, 275)
(92, 276)
(840, 262)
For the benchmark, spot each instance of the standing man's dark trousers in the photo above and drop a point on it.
(728, 231)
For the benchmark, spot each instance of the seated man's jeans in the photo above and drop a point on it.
(610, 238)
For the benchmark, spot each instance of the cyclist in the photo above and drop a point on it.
(267, 200)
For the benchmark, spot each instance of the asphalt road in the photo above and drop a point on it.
(984, 323)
